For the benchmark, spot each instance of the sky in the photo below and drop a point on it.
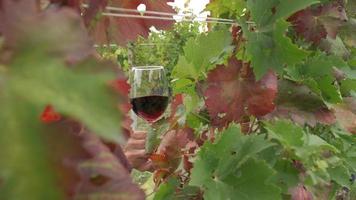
(196, 5)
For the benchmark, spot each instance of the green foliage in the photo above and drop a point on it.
(321, 160)
(41, 82)
(28, 158)
(268, 46)
(201, 54)
(285, 73)
(272, 50)
(227, 168)
(35, 75)
(231, 8)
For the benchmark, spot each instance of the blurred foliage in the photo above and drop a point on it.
(159, 48)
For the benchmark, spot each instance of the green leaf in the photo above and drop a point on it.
(167, 190)
(185, 70)
(341, 175)
(348, 86)
(285, 132)
(321, 65)
(183, 86)
(226, 169)
(24, 170)
(232, 7)
(335, 46)
(317, 74)
(287, 175)
(261, 11)
(272, 50)
(205, 51)
(330, 91)
(80, 94)
(251, 177)
(289, 53)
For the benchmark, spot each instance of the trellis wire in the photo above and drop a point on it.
(161, 15)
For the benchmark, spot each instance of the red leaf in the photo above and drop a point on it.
(121, 86)
(122, 30)
(70, 3)
(301, 193)
(12, 13)
(346, 114)
(94, 7)
(50, 115)
(316, 23)
(85, 167)
(299, 104)
(232, 93)
(169, 152)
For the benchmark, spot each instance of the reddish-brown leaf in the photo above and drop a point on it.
(122, 30)
(232, 93)
(316, 23)
(85, 167)
(301, 193)
(169, 152)
(104, 176)
(299, 104)
(13, 14)
(23, 27)
(95, 6)
(346, 114)
(69, 3)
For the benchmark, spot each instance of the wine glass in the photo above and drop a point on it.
(149, 92)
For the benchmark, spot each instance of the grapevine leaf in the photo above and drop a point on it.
(287, 175)
(44, 79)
(169, 150)
(289, 52)
(317, 74)
(347, 32)
(341, 175)
(348, 86)
(167, 190)
(294, 137)
(346, 114)
(251, 173)
(233, 93)
(94, 7)
(104, 176)
(239, 181)
(220, 7)
(329, 91)
(291, 138)
(316, 23)
(351, 7)
(43, 83)
(122, 29)
(85, 167)
(206, 51)
(287, 8)
(185, 70)
(272, 50)
(301, 193)
(24, 169)
(300, 105)
(335, 46)
(13, 12)
(265, 13)
(261, 11)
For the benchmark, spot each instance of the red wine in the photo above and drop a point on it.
(149, 108)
